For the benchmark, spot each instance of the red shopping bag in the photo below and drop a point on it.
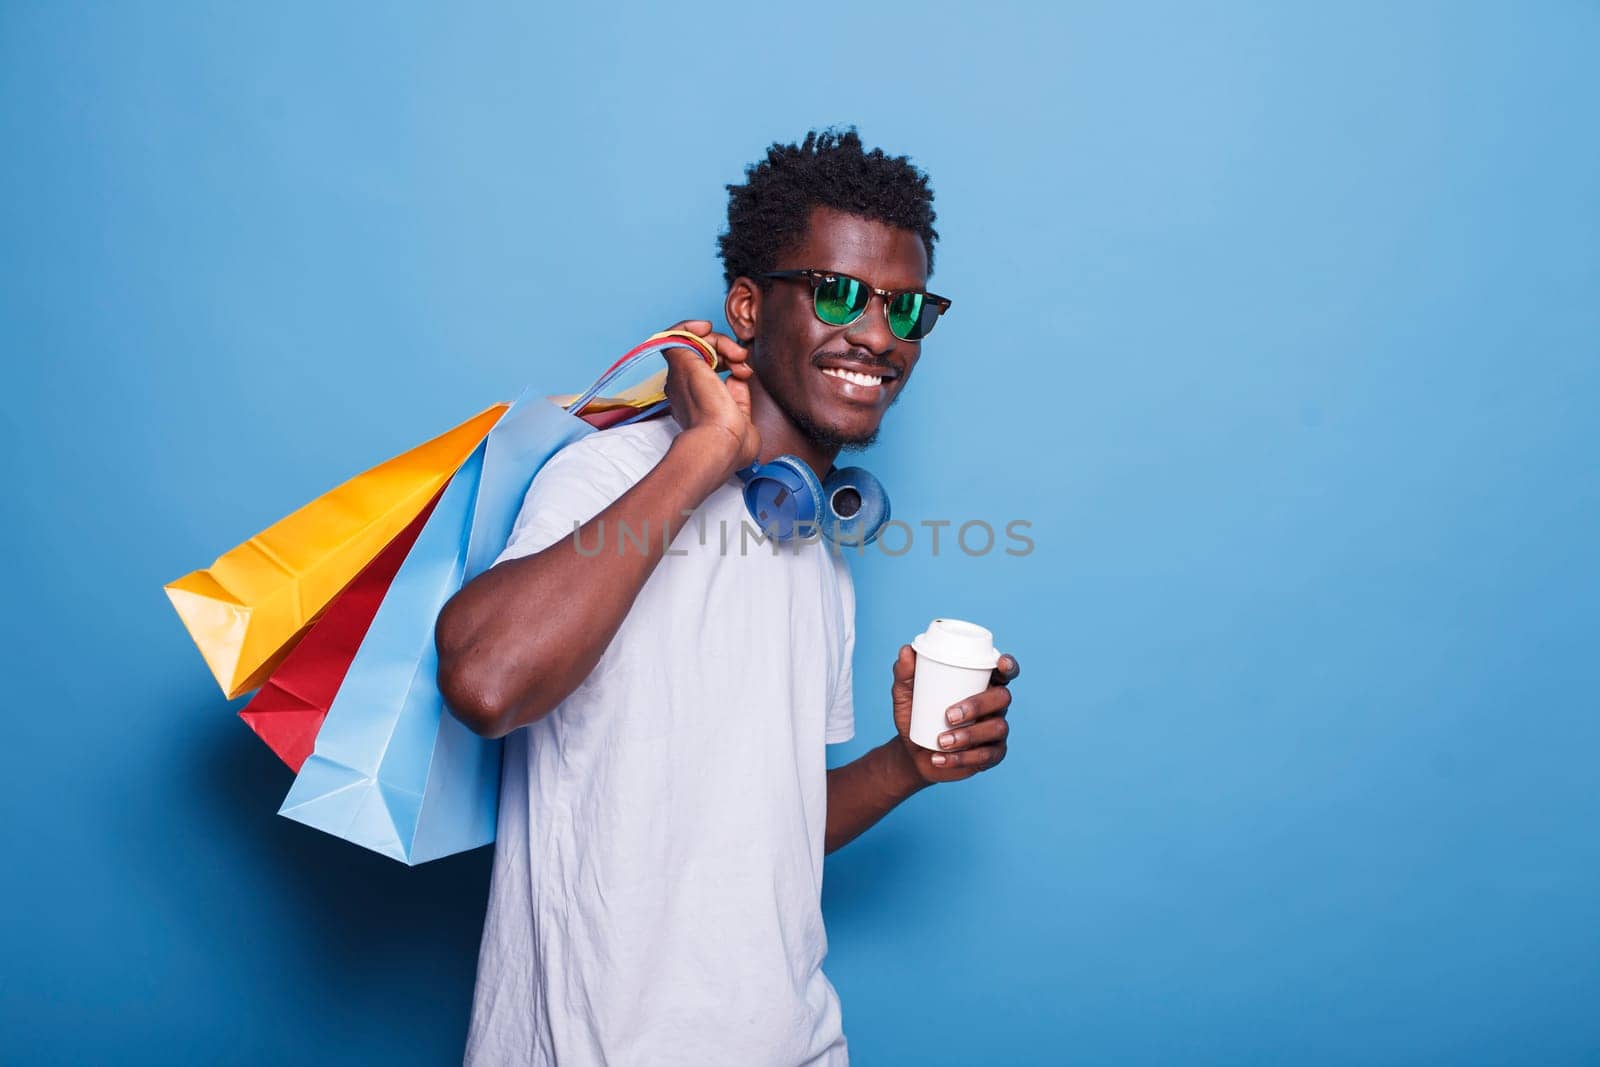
(288, 710)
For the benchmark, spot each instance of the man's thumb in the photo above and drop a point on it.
(905, 667)
(740, 391)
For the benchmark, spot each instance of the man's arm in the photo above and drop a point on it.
(866, 789)
(516, 641)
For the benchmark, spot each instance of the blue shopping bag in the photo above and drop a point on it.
(392, 769)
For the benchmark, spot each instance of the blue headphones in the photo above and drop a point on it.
(848, 507)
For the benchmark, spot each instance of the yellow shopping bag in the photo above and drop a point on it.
(246, 611)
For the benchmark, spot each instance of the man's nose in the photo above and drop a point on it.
(871, 330)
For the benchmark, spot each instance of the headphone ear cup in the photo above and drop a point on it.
(855, 506)
(782, 495)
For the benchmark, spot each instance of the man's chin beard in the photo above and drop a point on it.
(825, 437)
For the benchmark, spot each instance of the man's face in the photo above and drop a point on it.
(798, 357)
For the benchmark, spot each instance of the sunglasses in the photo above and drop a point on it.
(838, 299)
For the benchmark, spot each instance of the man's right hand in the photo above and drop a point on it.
(713, 412)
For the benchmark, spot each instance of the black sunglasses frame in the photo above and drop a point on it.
(820, 277)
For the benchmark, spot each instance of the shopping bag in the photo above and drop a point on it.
(391, 769)
(293, 701)
(249, 607)
(288, 709)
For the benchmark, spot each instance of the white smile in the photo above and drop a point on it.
(853, 377)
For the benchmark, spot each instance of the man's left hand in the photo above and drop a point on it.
(975, 742)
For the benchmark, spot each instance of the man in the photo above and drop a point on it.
(665, 802)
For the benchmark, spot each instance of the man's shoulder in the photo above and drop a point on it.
(581, 478)
(629, 451)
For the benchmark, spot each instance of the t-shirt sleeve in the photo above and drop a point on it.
(574, 485)
(841, 724)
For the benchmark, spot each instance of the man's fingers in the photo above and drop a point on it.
(700, 328)
(1006, 671)
(978, 759)
(730, 353)
(986, 732)
(976, 738)
(995, 699)
(733, 355)
(682, 358)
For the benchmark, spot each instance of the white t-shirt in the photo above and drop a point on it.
(657, 889)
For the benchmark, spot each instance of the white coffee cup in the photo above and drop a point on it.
(955, 660)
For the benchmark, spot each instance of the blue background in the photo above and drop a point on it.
(1280, 324)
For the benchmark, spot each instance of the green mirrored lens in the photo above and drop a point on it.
(911, 316)
(841, 300)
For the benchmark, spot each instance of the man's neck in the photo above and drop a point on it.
(779, 435)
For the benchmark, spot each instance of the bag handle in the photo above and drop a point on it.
(657, 342)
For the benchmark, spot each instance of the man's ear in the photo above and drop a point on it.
(743, 310)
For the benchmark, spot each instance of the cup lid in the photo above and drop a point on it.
(958, 643)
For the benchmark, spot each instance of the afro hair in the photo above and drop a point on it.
(770, 211)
